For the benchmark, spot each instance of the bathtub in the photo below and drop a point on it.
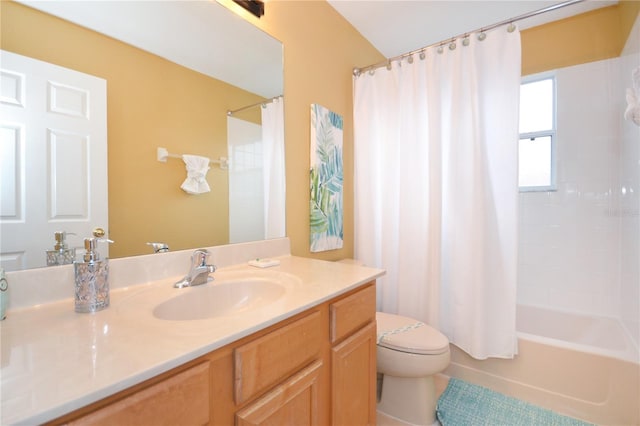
(583, 367)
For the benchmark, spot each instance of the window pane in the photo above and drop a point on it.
(536, 106)
(535, 162)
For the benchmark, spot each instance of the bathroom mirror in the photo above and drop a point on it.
(172, 69)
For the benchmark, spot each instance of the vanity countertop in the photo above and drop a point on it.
(54, 360)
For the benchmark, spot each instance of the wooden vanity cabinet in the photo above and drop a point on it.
(316, 368)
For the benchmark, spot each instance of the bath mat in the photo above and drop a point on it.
(464, 404)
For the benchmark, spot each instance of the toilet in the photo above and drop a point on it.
(409, 354)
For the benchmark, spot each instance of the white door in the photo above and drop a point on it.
(53, 158)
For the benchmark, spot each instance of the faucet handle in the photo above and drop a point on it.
(199, 257)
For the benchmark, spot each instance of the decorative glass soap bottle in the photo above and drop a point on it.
(61, 253)
(92, 277)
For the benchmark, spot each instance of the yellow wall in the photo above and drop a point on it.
(145, 202)
(320, 51)
(592, 36)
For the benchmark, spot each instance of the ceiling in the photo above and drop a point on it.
(396, 27)
(202, 35)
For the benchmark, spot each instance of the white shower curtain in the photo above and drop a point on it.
(273, 168)
(436, 189)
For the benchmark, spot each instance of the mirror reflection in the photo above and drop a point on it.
(172, 92)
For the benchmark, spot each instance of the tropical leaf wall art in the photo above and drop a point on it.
(326, 209)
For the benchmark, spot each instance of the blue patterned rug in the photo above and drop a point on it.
(464, 404)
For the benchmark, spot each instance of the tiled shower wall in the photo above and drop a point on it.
(579, 245)
(569, 238)
(246, 193)
(630, 199)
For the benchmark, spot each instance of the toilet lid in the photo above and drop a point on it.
(409, 335)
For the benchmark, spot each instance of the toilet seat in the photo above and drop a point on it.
(405, 334)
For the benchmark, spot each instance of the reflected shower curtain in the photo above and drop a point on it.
(273, 168)
(436, 189)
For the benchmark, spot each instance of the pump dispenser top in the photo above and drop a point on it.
(61, 253)
(91, 250)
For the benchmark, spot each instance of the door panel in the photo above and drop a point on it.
(53, 147)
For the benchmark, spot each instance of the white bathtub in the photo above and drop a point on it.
(583, 367)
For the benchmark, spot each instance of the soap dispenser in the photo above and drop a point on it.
(4, 294)
(92, 278)
(61, 253)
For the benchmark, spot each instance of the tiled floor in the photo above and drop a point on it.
(441, 384)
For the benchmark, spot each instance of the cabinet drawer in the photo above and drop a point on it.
(182, 399)
(352, 313)
(270, 359)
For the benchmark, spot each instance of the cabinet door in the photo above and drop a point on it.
(353, 379)
(294, 402)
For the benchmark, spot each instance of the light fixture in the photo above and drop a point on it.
(256, 7)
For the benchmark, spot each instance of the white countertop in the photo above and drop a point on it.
(54, 360)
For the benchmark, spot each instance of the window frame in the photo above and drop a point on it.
(551, 133)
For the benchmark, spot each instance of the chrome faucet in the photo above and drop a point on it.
(199, 271)
(159, 247)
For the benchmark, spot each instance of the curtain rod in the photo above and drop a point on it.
(358, 71)
(266, 101)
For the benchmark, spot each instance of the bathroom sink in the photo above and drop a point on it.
(222, 298)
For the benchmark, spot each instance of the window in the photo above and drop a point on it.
(536, 149)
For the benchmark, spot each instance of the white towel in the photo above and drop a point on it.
(632, 112)
(197, 168)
